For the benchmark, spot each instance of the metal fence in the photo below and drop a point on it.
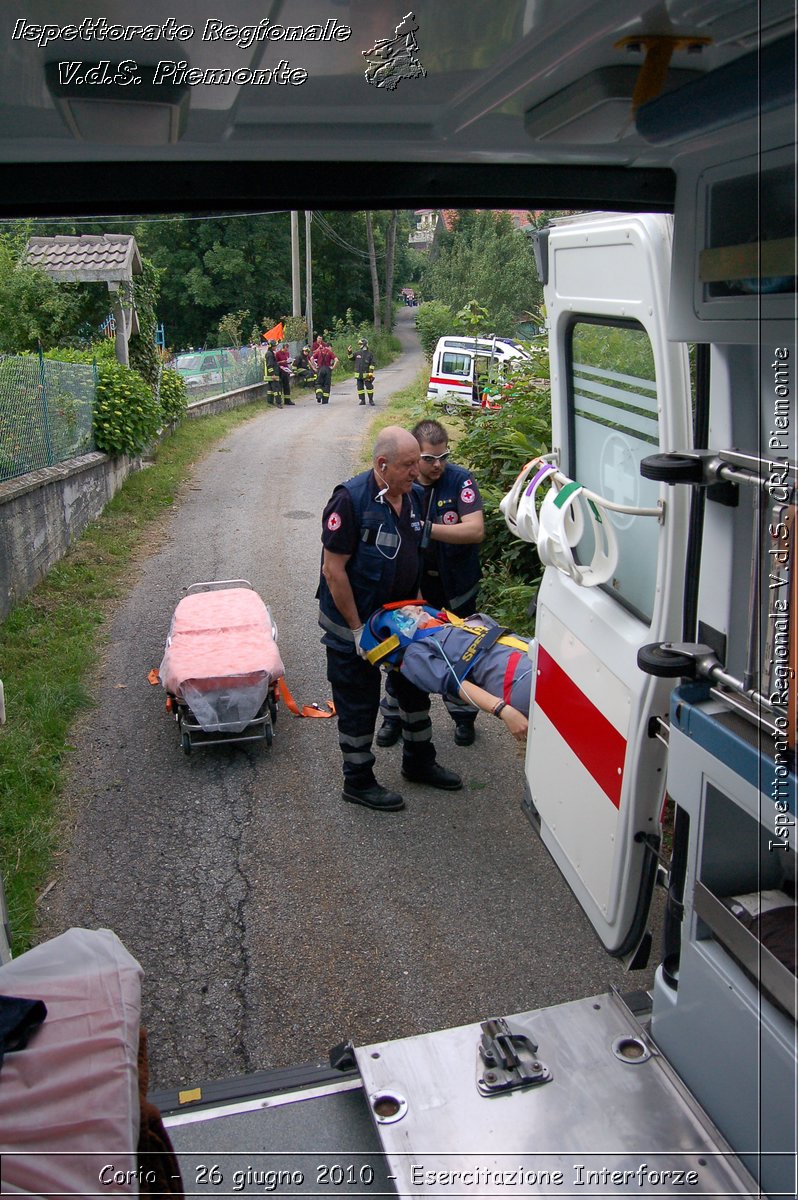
(45, 412)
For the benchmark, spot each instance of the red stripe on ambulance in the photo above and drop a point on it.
(598, 745)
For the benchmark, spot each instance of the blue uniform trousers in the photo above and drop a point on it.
(356, 686)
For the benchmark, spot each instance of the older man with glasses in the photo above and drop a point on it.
(452, 509)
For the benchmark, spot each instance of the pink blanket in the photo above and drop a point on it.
(221, 657)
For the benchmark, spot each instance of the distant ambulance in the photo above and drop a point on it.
(463, 366)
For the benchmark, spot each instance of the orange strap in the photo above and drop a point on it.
(403, 604)
(307, 710)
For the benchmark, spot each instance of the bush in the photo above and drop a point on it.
(126, 414)
(173, 395)
(495, 445)
(433, 321)
(384, 346)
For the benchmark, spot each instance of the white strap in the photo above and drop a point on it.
(555, 546)
(520, 508)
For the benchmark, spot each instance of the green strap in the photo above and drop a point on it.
(564, 494)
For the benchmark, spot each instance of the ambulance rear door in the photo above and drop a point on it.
(595, 767)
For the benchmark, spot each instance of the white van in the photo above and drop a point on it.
(462, 365)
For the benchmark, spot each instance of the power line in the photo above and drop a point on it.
(334, 236)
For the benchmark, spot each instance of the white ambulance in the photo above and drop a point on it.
(462, 366)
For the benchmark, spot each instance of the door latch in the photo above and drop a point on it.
(507, 1059)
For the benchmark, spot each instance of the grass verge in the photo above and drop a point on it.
(49, 645)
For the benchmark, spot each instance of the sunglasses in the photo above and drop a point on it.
(434, 458)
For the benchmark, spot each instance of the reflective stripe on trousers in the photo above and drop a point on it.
(356, 692)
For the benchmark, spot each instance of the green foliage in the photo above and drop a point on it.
(101, 351)
(295, 329)
(126, 414)
(433, 321)
(472, 319)
(34, 310)
(484, 256)
(231, 328)
(495, 445)
(173, 395)
(346, 332)
(142, 351)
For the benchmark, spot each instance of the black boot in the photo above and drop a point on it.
(374, 796)
(389, 732)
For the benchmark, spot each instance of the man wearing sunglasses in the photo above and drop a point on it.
(452, 508)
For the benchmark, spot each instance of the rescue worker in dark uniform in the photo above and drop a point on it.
(371, 531)
(303, 371)
(451, 571)
(324, 363)
(364, 370)
(274, 393)
(283, 357)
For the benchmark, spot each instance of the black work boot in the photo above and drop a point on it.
(389, 732)
(433, 775)
(464, 733)
(375, 796)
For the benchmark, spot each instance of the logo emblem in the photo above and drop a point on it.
(468, 496)
(392, 59)
(449, 518)
(333, 522)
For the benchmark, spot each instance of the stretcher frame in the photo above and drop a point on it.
(193, 735)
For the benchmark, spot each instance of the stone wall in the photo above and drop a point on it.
(43, 512)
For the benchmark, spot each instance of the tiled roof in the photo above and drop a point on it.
(87, 257)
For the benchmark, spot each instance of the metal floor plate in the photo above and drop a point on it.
(613, 1120)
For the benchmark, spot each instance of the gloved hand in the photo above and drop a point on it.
(357, 634)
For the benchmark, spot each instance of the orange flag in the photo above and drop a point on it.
(275, 334)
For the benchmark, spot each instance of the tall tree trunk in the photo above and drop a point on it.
(375, 282)
(390, 254)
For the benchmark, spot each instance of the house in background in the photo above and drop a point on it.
(431, 221)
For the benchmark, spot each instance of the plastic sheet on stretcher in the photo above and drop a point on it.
(221, 657)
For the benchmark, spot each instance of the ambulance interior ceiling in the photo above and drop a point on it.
(547, 103)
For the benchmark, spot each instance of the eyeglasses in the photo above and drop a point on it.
(434, 458)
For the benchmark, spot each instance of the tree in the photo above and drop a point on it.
(216, 266)
(231, 328)
(375, 279)
(486, 258)
(390, 255)
(35, 311)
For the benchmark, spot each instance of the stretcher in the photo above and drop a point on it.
(221, 666)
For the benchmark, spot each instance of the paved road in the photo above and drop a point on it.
(272, 919)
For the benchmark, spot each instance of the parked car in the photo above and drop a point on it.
(201, 369)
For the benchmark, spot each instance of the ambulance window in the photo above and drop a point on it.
(614, 425)
(456, 364)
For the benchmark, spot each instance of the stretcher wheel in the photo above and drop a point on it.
(273, 708)
(185, 742)
(268, 733)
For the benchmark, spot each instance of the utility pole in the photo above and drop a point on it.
(308, 280)
(295, 298)
(296, 301)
